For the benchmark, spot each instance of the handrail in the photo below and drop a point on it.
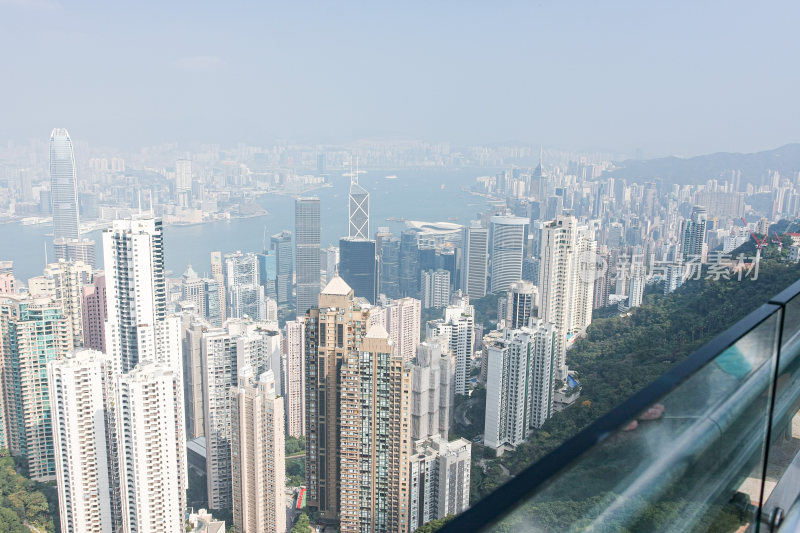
(537, 476)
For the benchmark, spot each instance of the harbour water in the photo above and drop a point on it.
(432, 195)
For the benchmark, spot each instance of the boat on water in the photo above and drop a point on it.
(392, 177)
(444, 186)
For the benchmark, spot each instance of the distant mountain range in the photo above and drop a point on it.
(699, 169)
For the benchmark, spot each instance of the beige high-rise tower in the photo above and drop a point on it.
(375, 437)
(257, 450)
(333, 329)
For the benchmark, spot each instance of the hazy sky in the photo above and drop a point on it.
(666, 77)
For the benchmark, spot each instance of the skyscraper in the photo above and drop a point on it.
(63, 186)
(457, 332)
(152, 448)
(432, 391)
(258, 464)
(476, 260)
(507, 250)
(64, 201)
(295, 381)
(218, 274)
(409, 264)
(306, 235)
(183, 181)
(693, 236)
(282, 246)
(332, 329)
(358, 267)
(566, 281)
(435, 286)
(84, 437)
(245, 295)
(522, 304)
(32, 333)
(375, 437)
(138, 327)
(389, 267)
(69, 278)
(403, 323)
(439, 474)
(241, 343)
(519, 384)
(94, 313)
(358, 219)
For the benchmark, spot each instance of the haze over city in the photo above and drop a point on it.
(628, 78)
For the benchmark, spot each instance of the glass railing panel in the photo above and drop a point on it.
(692, 461)
(782, 472)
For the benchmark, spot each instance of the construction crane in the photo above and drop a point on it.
(760, 243)
(777, 240)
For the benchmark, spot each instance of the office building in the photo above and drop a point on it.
(457, 332)
(245, 295)
(358, 219)
(152, 448)
(329, 259)
(409, 264)
(476, 260)
(375, 437)
(84, 439)
(257, 446)
(432, 391)
(336, 326)
(63, 187)
(34, 332)
(508, 238)
(75, 250)
(268, 273)
(439, 474)
(193, 326)
(306, 236)
(358, 267)
(295, 377)
(435, 286)
(183, 182)
(284, 266)
(389, 251)
(519, 383)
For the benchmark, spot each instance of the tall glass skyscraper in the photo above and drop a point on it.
(63, 186)
(358, 266)
(306, 238)
(64, 201)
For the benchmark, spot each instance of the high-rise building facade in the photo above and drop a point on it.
(245, 295)
(307, 237)
(152, 448)
(693, 236)
(402, 320)
(258, 451)
(476, 260)
(295, 377)
(374, 438)
(566, 281)
(358, 267)
(94, 313)
(409, 264)
(435, 288)
(457, 332)
(63, 186)
(336, 327)
(84, 438)
(241, 343)
(218, 275)
(284, 266)
(432, 391)
(508, 237)
(358, 219)
(32, 333)
(521, 304)
(389, 251)
(69, 278)
(439, 479)
(519, 383)
(138, 327)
